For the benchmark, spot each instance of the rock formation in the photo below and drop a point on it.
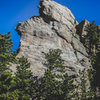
(53, 29)
(81, 30)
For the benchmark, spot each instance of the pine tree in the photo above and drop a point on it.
(93, 37)
(6, 55)
(55, 84)
(5, 43)
(85, 93)
(6, 78)
(24, 79)
(7, 91)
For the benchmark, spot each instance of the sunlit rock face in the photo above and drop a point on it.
(53, 29)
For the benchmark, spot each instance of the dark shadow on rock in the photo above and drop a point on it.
(97, 74)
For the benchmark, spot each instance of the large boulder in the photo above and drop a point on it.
(51, 10)
(53, 29)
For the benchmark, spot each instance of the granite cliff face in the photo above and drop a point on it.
(53, 29)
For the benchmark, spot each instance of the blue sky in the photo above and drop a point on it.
(14, 11)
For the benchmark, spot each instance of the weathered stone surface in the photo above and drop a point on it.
(78, 46)
(54, 29)
(62, 30)
(83, 60)
(81, 28)
(54, 11)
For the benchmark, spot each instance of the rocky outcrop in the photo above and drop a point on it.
(53, 29)
(81, 28)
(81, 31)
(54, 11)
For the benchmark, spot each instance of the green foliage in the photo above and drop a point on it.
(5, 43)
(92, 37)
(55, 84)
(93, 58)
(83, 90)
(20, 86)
(91, 74)
(92, 32)
(54, 60)
(6, 55)
(6, 78)
(85, 93)
(6, 82)
(24, 79)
